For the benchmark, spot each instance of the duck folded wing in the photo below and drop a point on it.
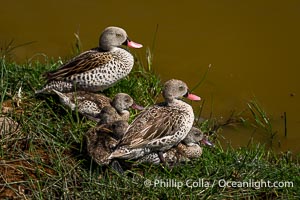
(148, 130)
(84, 62)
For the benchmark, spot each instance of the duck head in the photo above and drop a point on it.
(113, 37)
(122, 102)
(176, 89)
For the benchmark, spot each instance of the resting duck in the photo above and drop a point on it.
(161, 126)
(189, 148)
(102, 139)
(90, 104)
(96, 69)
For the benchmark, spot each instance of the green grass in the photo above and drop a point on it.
(261, 119)
(46, 159)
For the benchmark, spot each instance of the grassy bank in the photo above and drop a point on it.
(43, 156)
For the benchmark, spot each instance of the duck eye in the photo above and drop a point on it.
(118, 35)
(181, 88)
(127, 100)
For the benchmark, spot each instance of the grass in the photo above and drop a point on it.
(44, 156)
(261, 119)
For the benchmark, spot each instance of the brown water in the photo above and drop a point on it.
(252, 46)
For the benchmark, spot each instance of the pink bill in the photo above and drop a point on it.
(134, 44)
(193, 97)
(137, 107)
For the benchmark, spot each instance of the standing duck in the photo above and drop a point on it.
(96, 69)
(90, 104)
(160, 127)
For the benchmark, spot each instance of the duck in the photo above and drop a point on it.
(159, 127)
(189, 148)
(102, 139)
(96, 69)
(109, 115)
(90, 104)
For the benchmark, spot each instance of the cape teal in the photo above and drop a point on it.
(159, 127)
(96, 69)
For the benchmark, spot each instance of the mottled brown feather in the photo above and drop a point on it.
(141, 131)
(85, 61)
(79, 96)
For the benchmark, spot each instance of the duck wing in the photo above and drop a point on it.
(100, 99)
(83, 62)
(152, 124)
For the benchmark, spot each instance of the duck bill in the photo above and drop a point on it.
(133, 44)
(207, 142)
(193, 97)
(137, 107)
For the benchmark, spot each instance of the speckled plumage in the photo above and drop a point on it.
(186, 150)
(96, 69)
(102, 139)
(109, 114)
(160, 127)
(90, 104)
